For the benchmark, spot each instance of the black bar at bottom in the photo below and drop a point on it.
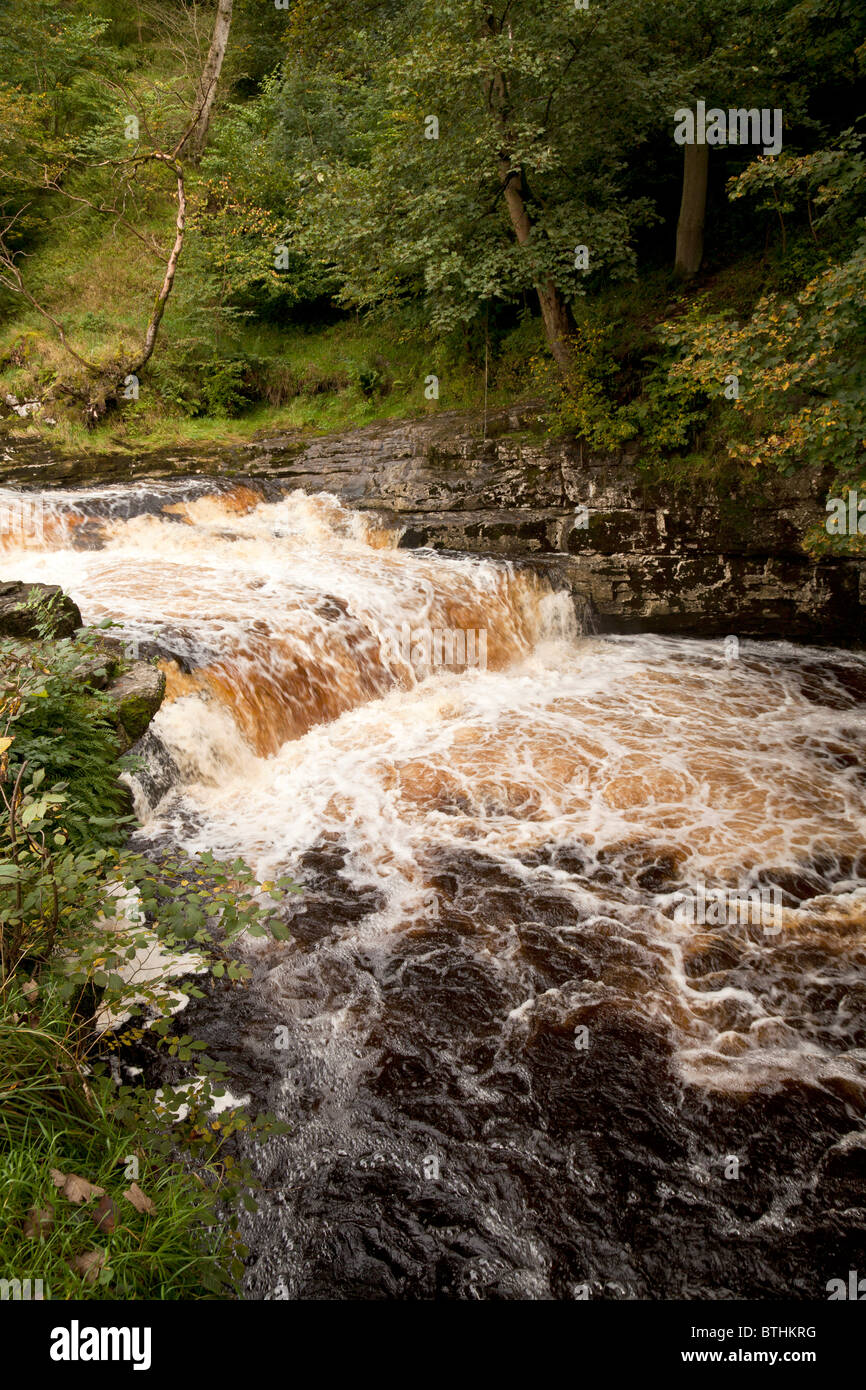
(81, 1340)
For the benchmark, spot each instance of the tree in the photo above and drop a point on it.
(481, 154)
(94, 170)
(748, 54)
(554, 308)
(207, 84)
(720, 52)
(798, 360)
(693, 207)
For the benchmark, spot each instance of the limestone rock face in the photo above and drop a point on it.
(637, 555)
(19, 620)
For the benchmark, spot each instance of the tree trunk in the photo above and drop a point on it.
(168, 280)
(209, 78)
(693, 208)
(554, 310)
(557, 323)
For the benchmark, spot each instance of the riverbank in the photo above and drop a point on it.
(107, 1190)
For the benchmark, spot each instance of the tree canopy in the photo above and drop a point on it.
(458, 168)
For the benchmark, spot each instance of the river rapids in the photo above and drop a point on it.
(574, 1003)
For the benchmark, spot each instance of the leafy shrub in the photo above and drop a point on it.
(800, 369)
(375, 378)
(226, 388)
(61, 731)
(76, 910)
(659, 410)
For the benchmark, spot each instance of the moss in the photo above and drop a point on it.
(137, 696)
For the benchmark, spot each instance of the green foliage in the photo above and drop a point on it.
(225, 389)
(79, 916)
(59, 1116)
(584, 395)
(660, 411)
(51, 50)
(781, 387)
(800, 369)
(319, 196)
(61, 728)
(829, 184)
(393, 214)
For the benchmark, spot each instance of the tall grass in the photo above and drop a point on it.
(54, 1116)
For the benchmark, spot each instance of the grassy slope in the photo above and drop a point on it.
(98, 282)
(99, 286)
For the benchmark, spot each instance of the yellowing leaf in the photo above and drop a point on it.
(75, 1189)
(139, 1199)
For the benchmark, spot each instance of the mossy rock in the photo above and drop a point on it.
(136, 697)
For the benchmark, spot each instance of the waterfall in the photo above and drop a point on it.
(497, 821)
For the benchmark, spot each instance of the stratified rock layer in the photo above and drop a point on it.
(638, 555)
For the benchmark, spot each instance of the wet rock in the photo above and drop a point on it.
(95, 671)
(18, 618)
(639, 553)
(137, 695)
(847, 1159)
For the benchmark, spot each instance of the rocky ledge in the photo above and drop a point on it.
(637, 554)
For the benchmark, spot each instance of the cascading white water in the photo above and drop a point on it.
(495, 857)
(299, 720)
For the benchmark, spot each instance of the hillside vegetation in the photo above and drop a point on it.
(224, 219)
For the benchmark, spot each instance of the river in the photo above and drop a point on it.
(532, 1034)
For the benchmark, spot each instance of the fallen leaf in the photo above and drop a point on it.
(139, 1200)
(74, 1188)
(30, 990)
(105, 1214)
(88, 1265)
(38, 1222)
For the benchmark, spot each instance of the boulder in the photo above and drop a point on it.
(19, 620)
(136, 696)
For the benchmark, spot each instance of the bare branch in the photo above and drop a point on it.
(171, 267)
